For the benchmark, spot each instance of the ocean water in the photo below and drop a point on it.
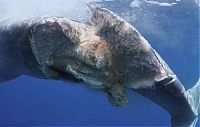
(170, 26)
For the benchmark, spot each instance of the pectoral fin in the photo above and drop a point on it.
(117, 96)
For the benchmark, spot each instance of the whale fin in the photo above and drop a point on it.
(117, 96)
(193, 98)
(193, 95)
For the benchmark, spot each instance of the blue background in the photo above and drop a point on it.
(172, 31)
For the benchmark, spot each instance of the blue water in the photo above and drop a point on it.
(173, 31)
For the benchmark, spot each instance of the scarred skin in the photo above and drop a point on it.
(110, 55)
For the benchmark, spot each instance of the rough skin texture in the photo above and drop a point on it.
(110, 55)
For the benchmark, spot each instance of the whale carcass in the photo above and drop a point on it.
(110, 54)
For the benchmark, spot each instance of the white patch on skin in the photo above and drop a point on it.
(141, 84)
(93, 83)
(144, 43)
(69, 68)
(150, 83)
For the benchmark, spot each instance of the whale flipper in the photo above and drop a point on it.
(117, 95)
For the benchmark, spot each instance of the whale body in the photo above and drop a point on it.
(110, 55)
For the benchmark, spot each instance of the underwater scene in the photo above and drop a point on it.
(105, 63)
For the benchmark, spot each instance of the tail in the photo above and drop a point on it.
(193, 95)
(193, 99)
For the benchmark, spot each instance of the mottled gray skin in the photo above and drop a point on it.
(110, 55)
(14, 37)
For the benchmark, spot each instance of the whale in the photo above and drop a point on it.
(108, 54)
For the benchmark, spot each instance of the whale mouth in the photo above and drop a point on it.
(88, 77)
